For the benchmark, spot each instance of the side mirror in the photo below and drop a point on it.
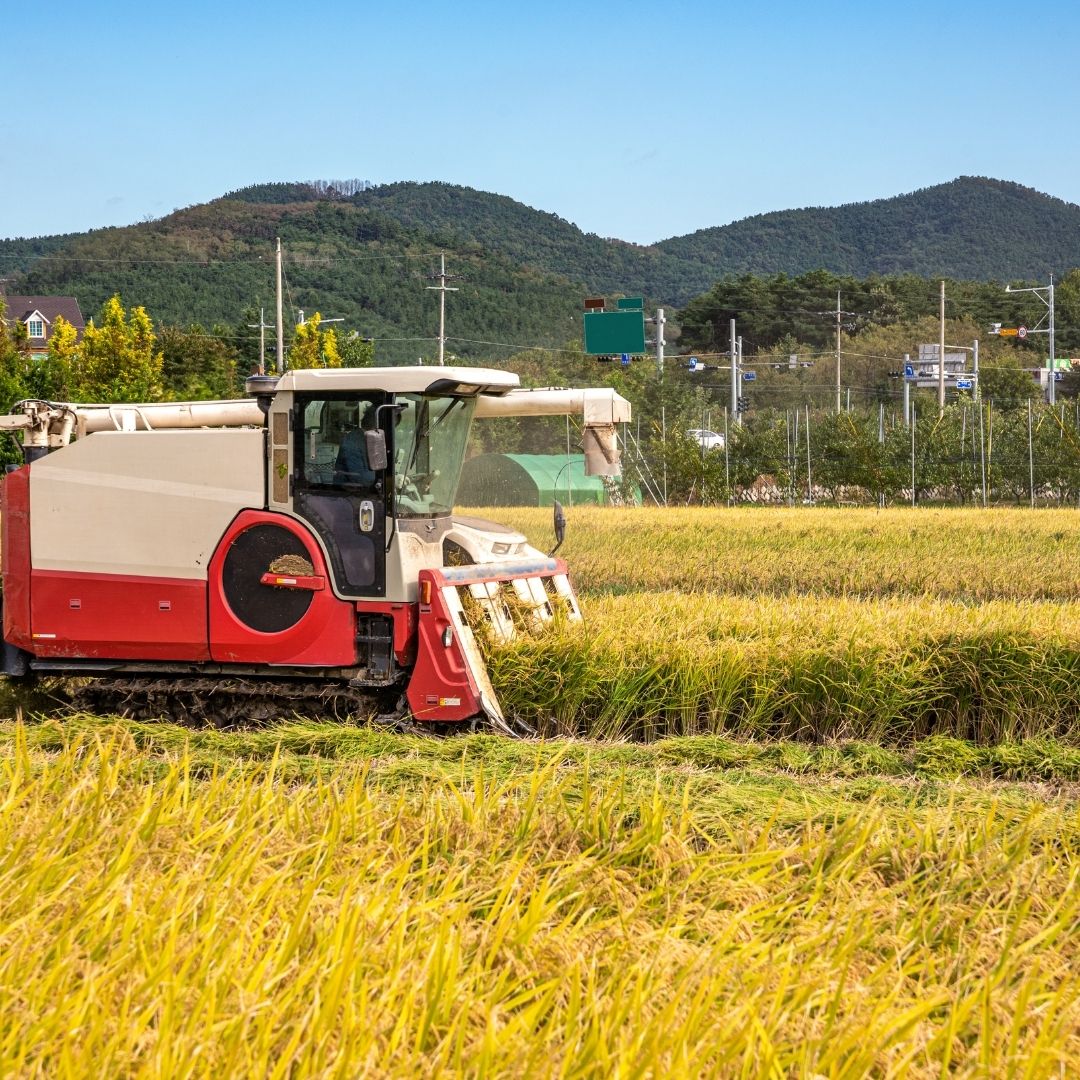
(375, 446)
(559, 523)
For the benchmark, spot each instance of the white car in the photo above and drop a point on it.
(710, 440)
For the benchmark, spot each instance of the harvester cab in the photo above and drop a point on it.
(233, 558)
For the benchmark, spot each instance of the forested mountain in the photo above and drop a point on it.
(214, 264)
(972, 228)
(367, 256)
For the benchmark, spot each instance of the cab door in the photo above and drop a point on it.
(342, 500)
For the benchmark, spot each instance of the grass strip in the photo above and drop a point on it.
(306, 750)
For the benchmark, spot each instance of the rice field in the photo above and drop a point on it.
(369, 905)
(819, 816)
(962, 554)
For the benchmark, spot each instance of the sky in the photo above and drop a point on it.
(632, 120)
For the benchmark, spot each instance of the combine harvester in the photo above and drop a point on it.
(293, 551)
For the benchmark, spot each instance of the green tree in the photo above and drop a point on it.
(313, 347)
(1006, 384)
(197, 364)
(52, 379)
(13, 364)
(356, 351)
(118, 361)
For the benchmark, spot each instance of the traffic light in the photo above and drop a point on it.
(741, 405)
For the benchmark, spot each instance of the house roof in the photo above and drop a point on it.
(49, 307)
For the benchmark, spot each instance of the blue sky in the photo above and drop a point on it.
(632, 120)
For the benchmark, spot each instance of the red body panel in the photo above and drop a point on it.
(442, 686)
(117, 617)
(15, 536)
(324, 637)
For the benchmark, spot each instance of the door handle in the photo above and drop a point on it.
(314, 583)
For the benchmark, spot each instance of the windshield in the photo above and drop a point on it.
(429, 447)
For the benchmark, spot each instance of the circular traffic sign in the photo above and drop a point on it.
(1021, 332)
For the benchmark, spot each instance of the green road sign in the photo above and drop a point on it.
(630, 303)
(614, 332)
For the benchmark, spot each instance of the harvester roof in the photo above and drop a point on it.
(402, 380)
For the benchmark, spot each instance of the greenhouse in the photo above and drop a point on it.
(529, 480)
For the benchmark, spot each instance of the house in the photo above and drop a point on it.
(38, 314)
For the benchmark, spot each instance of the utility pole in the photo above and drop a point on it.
(735, 377)
(280, 319)
(660, 343)
(1046, 295)
(839, 327)
(907, 392)
(1053, 358)
(941, 358)
(975, 367)
(442, 289)
(837, 352)
(262, 327)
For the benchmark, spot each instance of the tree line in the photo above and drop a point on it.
(974, 453)
(121, 357)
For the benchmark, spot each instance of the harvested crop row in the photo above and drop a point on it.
(157, 922)
(650, 665)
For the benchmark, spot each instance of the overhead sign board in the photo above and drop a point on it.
(630, 303)
(593, 303)
(614, 332)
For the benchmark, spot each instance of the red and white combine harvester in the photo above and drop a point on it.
(296, 550)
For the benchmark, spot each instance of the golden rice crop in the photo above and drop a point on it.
(158, 920)
(809, 623)
(956, 553)
(648, 665)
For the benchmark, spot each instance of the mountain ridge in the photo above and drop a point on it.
(366, 255)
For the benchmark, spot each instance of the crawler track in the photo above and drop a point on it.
(247, 703)
(237, 703)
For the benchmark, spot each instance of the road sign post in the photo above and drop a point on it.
(614, 332)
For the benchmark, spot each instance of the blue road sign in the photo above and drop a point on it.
(625, 358)
(964, 384)
(909, 371)
(694, 362)
(749, 376)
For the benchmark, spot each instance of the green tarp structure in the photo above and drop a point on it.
(528, 480)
